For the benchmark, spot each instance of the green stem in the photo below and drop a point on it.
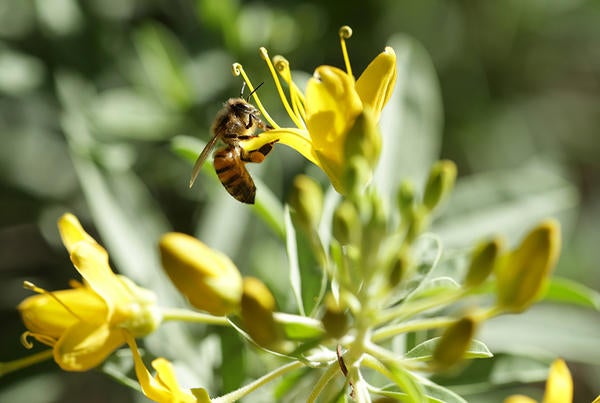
(244, 390)
(185, 315)
(12, 366)
(412, 326)
(331, 371)
(406, 310)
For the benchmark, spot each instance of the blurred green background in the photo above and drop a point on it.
(93, 92)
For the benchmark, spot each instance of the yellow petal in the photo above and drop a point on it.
(91, 261)
(45, 315)
(332, 105)
(86, 345)
(559, 387)
(376, 83)
(157, 389)
(165, 374)
(72, 232)
(298, 139)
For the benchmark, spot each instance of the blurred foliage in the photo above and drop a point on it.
(93, 92)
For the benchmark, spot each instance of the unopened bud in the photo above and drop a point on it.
(523, 274)
(306, 200)
(207, 278)
(418, 220)
(454, 343)
(483, 261)
(258, 305)
(406, 199)
(399, 268)
(335, 318)
(364, 139)
(346, 224)
(440, 183)
(357, 174)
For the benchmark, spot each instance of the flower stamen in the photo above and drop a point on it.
(286, 104)
(42, 338)
(237, 70)
(296, 96)
(345, 32)
(28, 285)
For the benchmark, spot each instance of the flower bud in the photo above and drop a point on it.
(346, 224)
(399, 267)
(523, 274)
(306, 200)
(439, 184)
(208, 279)
(483, 261)
(453, 344)
(364, 139)
(335, 318)
(357, 173)
(418, 220)
(406, 199)
(258, 305)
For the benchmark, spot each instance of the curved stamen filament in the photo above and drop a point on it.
(238, 70)
(345, 32)
(30, 286)
(42, 338)
(286, 104)
(296, 96)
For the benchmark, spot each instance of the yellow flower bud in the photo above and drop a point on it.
(209, 279)
(258, 305)
(483, 261)
(440, 183)
(453, 344)
(559, 387)
(306, 201)
(523, 274)
(335, 318)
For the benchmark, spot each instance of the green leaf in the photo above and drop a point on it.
(568, 291)
(424, 351)
(506, 203)
(294, 267)
(411, 123)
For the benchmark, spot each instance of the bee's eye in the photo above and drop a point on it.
(245, 107)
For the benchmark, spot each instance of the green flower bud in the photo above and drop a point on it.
(258, 305)
(440, 183)
(406, 199)
(523, 274)
(364, 139)
(335, 318)
(356, 176)
(483, 261)
(306, 200)
(208, 279)
(346, 224)
(399, 268)
(418, 220)
(453, 344)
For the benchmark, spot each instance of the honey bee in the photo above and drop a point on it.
(237, 120)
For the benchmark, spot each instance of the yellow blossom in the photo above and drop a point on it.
(559, 387)
(85, 324)
(163, 388)
(326, 114)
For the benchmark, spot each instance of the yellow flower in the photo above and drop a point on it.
(85, 324)
(559, 387)
(163, 388)
(333, 105)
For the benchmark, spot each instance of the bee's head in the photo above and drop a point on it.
(242, 108)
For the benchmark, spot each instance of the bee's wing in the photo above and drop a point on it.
(200, 160)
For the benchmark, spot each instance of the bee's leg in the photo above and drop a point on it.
(250, 116)
(257, 156)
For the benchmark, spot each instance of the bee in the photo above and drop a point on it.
(236, 121)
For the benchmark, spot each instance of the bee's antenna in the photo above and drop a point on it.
(243, 88)
(253, 91)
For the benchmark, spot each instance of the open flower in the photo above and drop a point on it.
(163, 388)
(559, 387)
(85, 324)
(337, 116)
